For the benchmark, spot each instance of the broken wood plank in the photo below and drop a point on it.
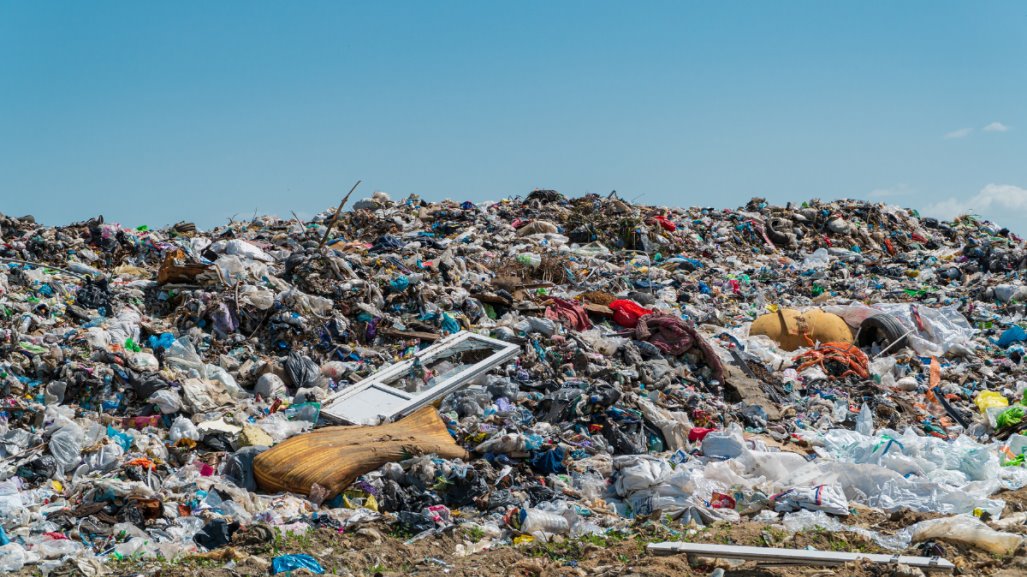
(598, 309)
(779, 556)
(492, 298)
(749, 391)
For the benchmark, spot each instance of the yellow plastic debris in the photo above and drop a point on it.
(990, 400)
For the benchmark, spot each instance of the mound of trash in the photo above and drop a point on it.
(528, 368)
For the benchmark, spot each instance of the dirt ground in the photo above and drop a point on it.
(372, 550)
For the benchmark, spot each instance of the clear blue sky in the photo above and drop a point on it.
(154, 112)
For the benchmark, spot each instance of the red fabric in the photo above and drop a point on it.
(140, 423)
(626, 313)
(722, 501)
(665, 223)
(669, 333)
(568, 312)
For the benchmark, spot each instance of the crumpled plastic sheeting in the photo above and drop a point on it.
(946, 329)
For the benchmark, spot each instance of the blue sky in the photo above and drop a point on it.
(154, 112)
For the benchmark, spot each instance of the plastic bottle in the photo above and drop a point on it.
(529, 259)
(865, 421)
(82, 268)
(537, 520)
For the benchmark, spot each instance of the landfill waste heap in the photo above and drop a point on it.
(535, 368)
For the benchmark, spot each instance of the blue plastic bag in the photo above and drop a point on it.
(287, 563)
(1013, 334)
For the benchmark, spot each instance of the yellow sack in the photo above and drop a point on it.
(787, 328)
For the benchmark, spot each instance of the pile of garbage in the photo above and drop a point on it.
(533, 367)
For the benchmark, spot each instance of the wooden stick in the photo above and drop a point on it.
(336, 216)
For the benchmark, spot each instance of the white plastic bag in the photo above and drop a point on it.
(818, 260)
(637, 473)
(827, 498)
(183, 428)
(167, 400)
(143, 362)
(66, 446)
(13, 557)
(726, 444)
(966, 530)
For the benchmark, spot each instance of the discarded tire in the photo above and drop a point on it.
(776, 232)
(884, 330)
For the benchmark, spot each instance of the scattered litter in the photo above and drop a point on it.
(527, 371)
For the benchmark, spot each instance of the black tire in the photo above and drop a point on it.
(775, 228)
(883, 329)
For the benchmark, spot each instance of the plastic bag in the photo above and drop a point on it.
(183, 428)
(966, 530)
(281, 428)
(806, 520)
(726, 444)
(143, 362)
(167, 400)
(287, 563)
(819, 259)
(181, 355)
(827, 498)
(269, 385)
(541, 325)
(990, 400)
(106, 459)
(10, 498)
(241, 248)
(637, 473)
(947, 330)
(257, 297)
(865, 421)
(13, 557)
(219, 374)
(66, 446)
(626, 313)
(1010, 417)
(773, 466)
(57, 548)
(301, 372)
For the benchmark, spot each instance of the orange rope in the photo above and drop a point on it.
(849, 356)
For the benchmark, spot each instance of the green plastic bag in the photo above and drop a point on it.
(1009, 417)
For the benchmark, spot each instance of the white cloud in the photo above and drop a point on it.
(1002, 203)
(996, 127)
(961, 133)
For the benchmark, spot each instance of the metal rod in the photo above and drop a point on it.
(335, 217)
(44, 265)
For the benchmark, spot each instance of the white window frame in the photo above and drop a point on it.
(345, 406)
